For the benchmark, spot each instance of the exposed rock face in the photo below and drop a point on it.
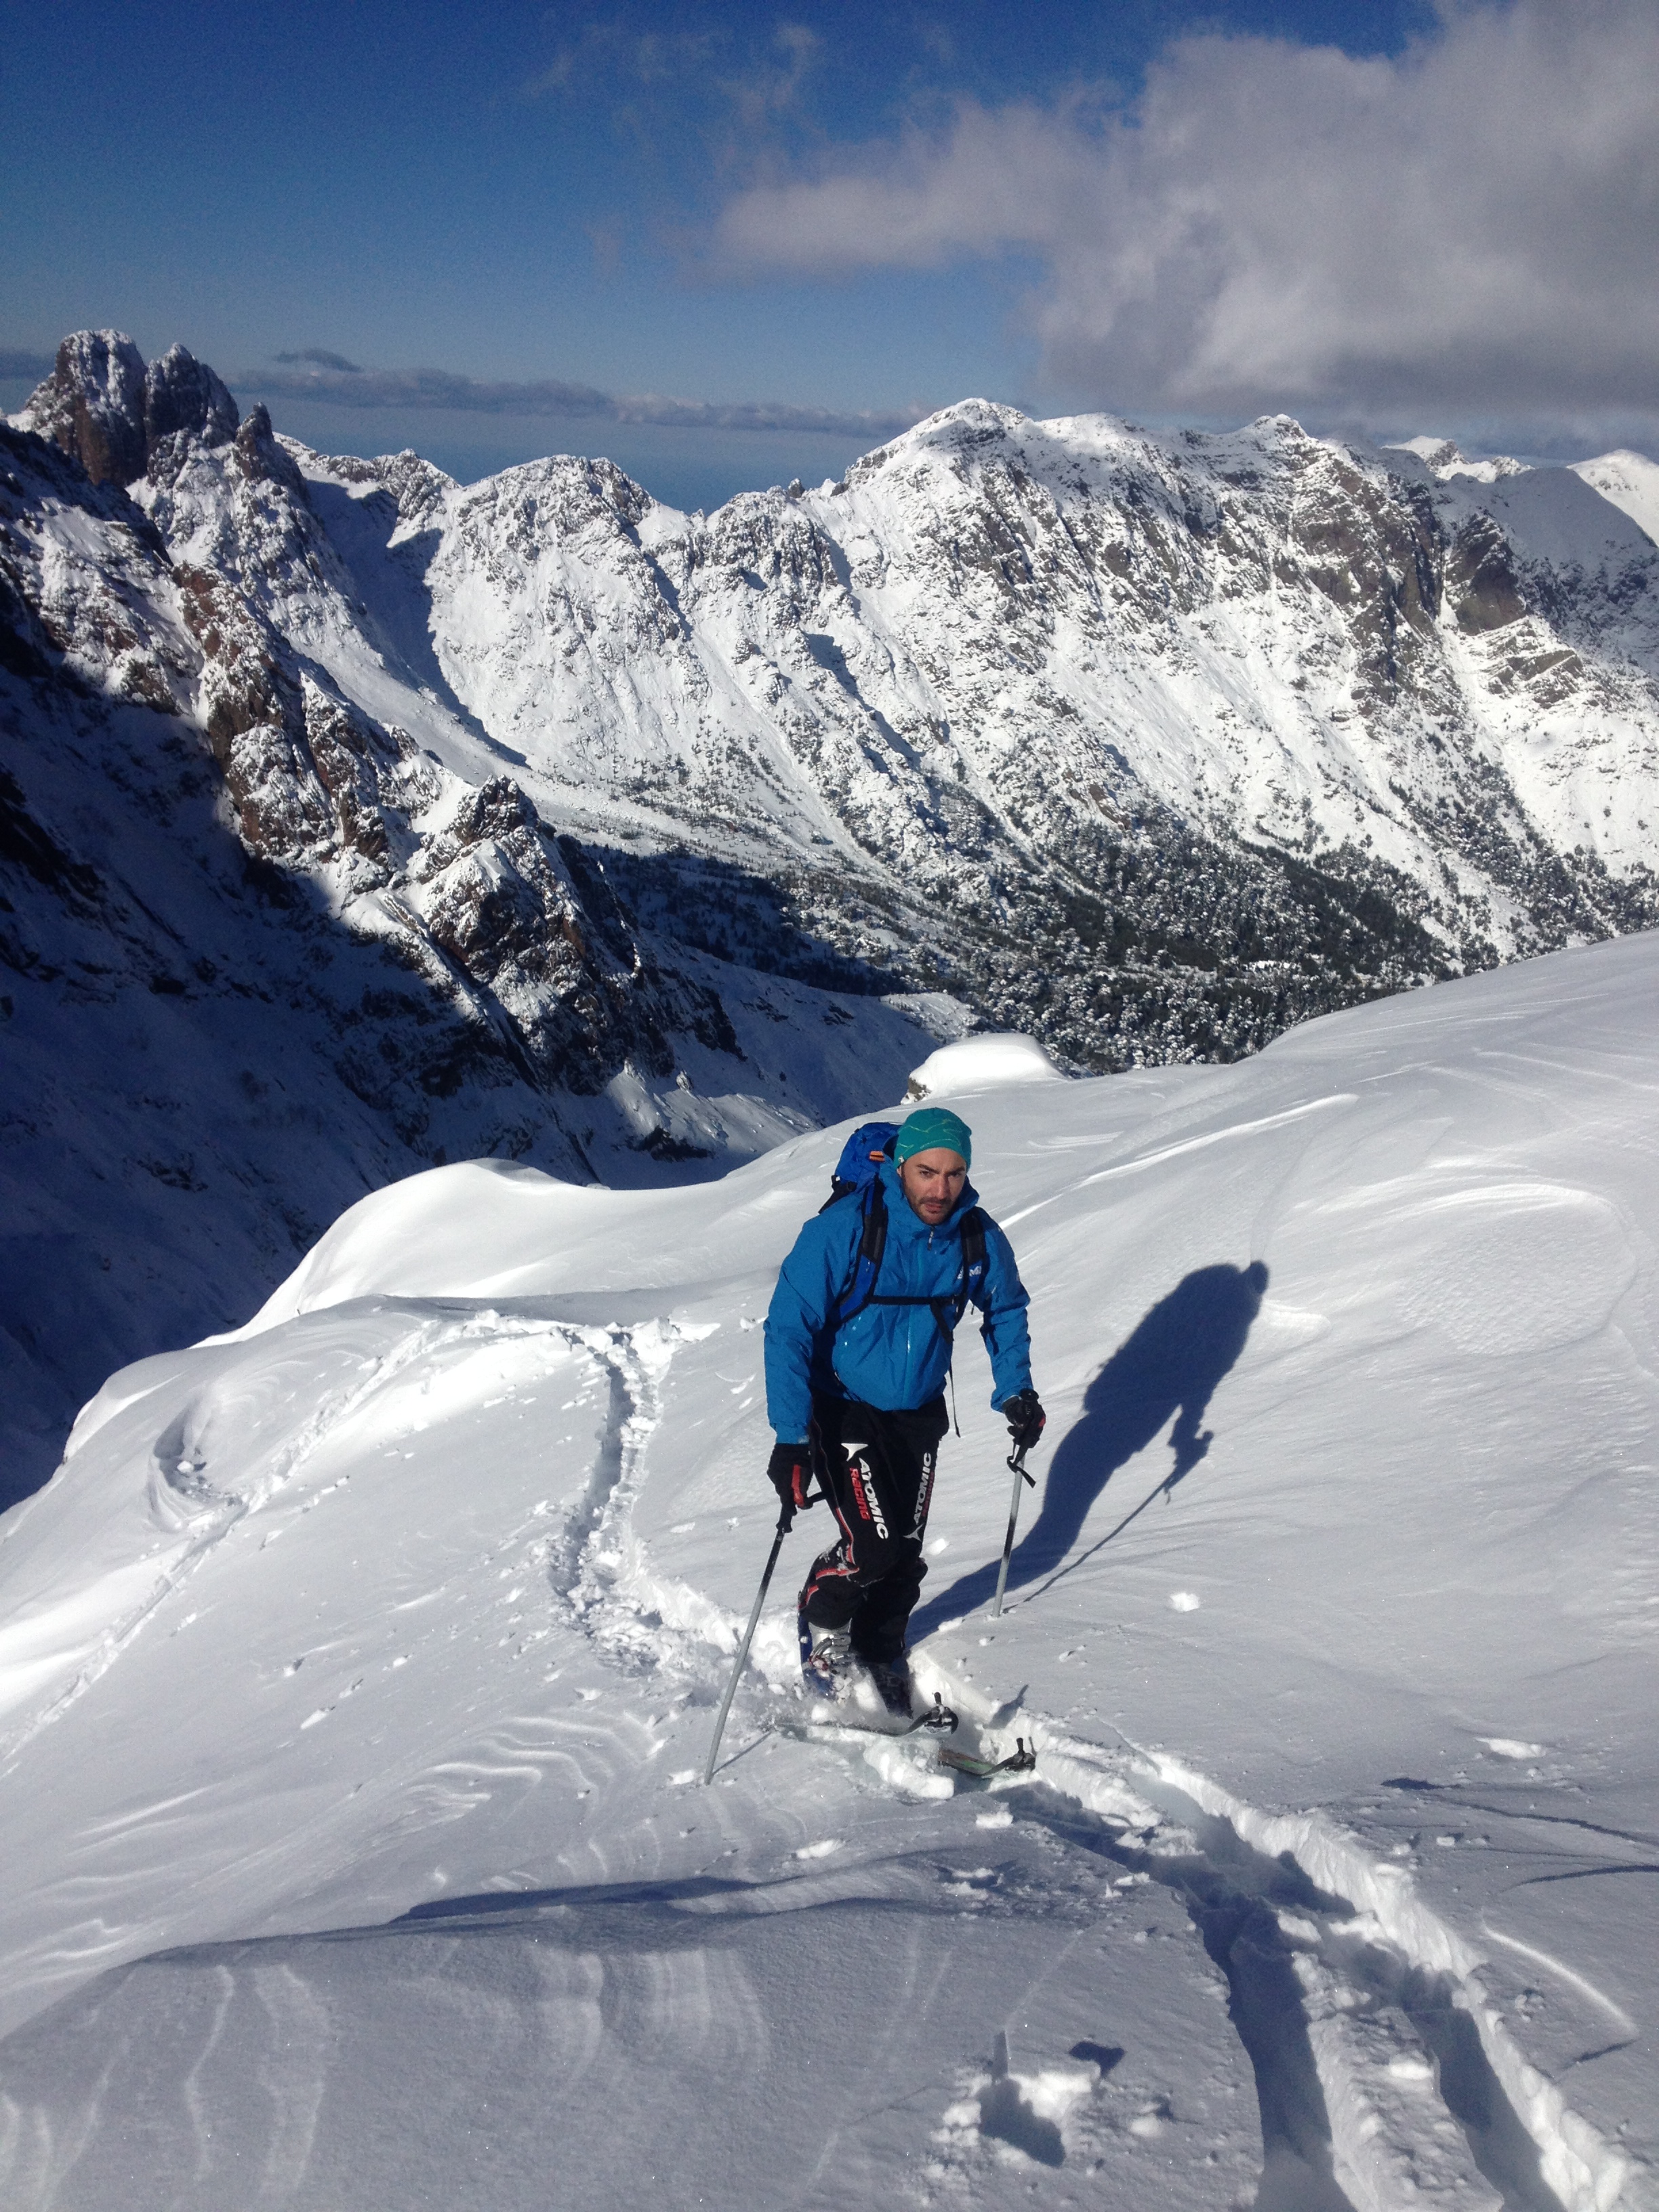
(262, 460)
(1480, 576)
(183, 398)
(80, 566)
(116, 417)
(92, 405)
(496, 892)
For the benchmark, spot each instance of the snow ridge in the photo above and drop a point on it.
(1585, 2172)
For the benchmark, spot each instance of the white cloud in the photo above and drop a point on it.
(1473, 225)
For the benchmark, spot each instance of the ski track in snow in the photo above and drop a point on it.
(182, 1496)
(1360, 2012)
(1343, 1983)
(1384, 2074)
(1355, 2003)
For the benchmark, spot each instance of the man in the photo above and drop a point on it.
(854, 1387)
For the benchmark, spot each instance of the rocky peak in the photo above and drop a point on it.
(121, 419)
(418, 487)
(182, 395)
(1443, 458)
(261, 456)
(92, 405)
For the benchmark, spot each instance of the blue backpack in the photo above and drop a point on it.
(856, 1175)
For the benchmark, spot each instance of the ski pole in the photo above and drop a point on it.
(1017, 1460)
(785, 1519)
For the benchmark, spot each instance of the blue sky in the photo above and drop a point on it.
(853, 212)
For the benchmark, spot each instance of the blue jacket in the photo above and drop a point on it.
(887, 1355)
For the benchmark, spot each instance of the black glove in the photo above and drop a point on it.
(789, 1471)
(1026, 1418)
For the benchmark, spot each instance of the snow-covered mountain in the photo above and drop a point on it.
(1007, 670)
(1148, 745)
(357, 1674)
(265, 951)
(559, 825)
(1631, 480)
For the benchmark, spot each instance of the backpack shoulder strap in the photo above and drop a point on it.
(860, 1288)
(948, 1312)
(974, 1260)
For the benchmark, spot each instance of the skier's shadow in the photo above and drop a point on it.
(1170, 1366)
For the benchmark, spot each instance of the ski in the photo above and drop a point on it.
(1020, 1761)
(938, 1717)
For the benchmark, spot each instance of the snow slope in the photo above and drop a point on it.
(1631, 480)
(358, 1670)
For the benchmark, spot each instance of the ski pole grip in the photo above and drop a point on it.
(787, 1515)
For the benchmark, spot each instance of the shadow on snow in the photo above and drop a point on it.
(1169, 1368)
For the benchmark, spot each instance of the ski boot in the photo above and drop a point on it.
(892, 1678)
(826, 1659)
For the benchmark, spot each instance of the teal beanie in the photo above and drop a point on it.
(935, 1128)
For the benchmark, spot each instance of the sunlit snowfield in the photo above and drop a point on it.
(358, 1674)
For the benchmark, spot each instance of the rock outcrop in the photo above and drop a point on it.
(92, 405)
(120, 419)
(183, 398)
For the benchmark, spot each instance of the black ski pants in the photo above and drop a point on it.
(876, 1470)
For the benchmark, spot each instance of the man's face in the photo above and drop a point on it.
(933, 1182)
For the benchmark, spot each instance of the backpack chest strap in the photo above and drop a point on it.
(860, 1290)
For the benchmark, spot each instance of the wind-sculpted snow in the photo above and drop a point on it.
(359, 1669)
(982, 1062)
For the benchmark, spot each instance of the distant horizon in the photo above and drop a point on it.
(695, 470)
